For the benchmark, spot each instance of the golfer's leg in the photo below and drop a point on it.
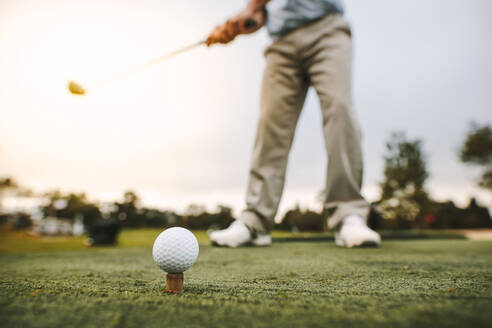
(282, 97)
(330, 71)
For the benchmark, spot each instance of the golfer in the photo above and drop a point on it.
(312, 46)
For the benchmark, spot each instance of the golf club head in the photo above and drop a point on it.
(76, 88)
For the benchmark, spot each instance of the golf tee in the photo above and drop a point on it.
(174, 282)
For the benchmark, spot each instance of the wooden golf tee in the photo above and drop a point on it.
(174, 282)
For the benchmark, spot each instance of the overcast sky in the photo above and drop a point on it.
(182, 131)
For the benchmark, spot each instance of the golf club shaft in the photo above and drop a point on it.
(77, 89)
(154, 61)
(250, 23)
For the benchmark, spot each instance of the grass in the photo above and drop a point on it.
(15, 242)
(430, 283)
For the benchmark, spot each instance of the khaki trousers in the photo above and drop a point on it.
(318, 55)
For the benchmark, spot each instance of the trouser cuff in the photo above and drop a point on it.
(342, 209)
(253, 221)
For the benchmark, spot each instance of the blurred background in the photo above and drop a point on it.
(171, 145)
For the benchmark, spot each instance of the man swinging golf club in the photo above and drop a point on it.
(312, 46)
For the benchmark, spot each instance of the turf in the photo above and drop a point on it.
(436, 283)
(15, 242)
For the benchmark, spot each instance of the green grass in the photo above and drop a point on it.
(15, 242)
(402, 284)
(20, 242)
(435, 283)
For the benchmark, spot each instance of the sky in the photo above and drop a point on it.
(182, 131)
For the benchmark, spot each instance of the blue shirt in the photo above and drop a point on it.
(284, 16)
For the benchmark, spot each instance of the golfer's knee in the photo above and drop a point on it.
(336, 107)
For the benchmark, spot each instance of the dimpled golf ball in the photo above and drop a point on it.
(175, 250)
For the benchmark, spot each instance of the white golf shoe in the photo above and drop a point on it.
(354, 232)
(238, 234)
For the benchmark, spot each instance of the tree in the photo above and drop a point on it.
(403, 196)
(128, 211)
(477, 150)
(71, 206)
(7, 183)
(197, 217)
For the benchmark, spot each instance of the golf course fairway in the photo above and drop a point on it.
(433, 283)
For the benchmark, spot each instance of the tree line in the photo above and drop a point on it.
(404, 202)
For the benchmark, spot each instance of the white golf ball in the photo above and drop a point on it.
(175, 250)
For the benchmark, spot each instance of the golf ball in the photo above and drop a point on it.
(175, 250)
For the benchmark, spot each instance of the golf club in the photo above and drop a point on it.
(77, 89)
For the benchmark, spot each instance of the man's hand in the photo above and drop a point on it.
(246, 22)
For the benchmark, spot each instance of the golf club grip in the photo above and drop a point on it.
(250, 23)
